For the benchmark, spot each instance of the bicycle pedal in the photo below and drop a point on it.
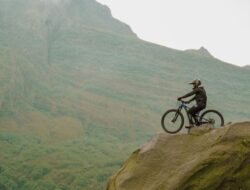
(189, 126)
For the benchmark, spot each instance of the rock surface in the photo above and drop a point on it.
(204, 159)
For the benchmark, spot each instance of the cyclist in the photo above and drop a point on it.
(199, 96)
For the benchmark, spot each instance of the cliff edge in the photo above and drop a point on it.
(213, 159)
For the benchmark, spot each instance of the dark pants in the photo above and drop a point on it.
(193, 111)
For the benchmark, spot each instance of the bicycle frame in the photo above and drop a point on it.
(186, 108)
(190, 118)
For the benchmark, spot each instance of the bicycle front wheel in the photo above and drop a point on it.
(172, 121)
(212, 117)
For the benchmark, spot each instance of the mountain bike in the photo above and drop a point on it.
(172, 120)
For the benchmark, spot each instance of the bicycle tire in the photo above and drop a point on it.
(165, 121)
(216, 119)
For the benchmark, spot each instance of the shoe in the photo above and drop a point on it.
(188, 126)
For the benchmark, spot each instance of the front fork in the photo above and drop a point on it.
(176, 115)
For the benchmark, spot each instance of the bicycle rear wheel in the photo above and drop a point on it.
(212, 117)
(172, 121)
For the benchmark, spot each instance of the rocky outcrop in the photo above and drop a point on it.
(204, 159)
(200, 52)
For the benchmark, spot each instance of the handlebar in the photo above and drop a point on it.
(183, 102)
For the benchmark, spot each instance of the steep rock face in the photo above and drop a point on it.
(218, 159)
(44, 43)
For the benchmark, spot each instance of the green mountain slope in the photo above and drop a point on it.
(79, 91)
(247, 67)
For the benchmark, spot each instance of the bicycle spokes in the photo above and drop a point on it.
(212, 117)
(172, 121)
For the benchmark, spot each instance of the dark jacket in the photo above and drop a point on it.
(200, 96)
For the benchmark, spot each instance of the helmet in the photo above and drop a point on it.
(196, 82)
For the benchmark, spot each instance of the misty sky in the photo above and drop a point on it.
(221, 26)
